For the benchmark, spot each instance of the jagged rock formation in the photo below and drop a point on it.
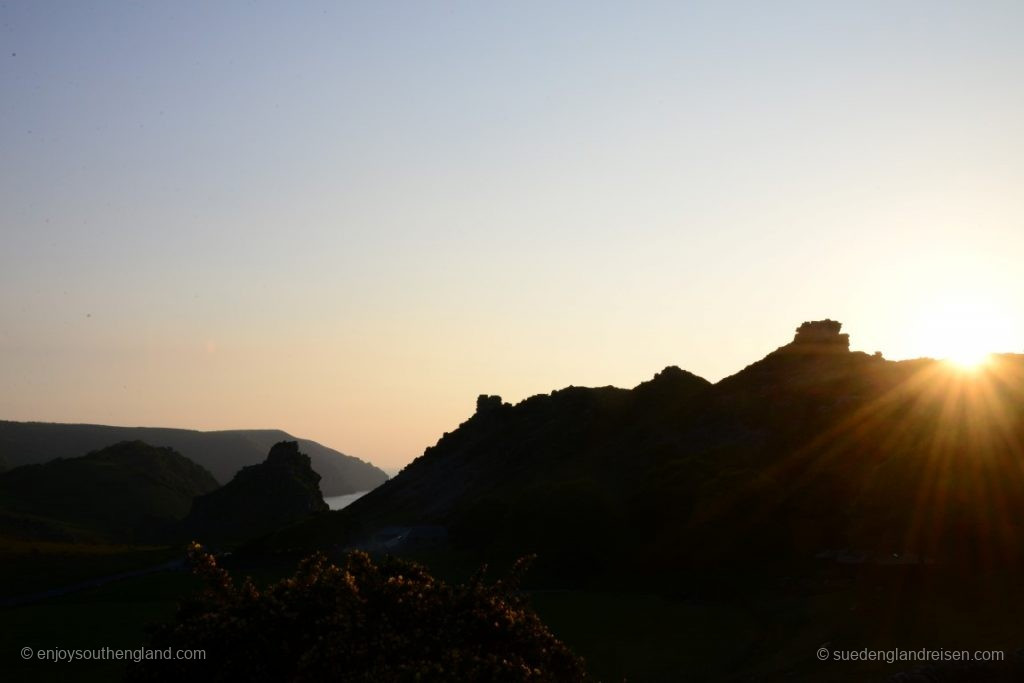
(821, 334)
(130, 491)
(485, 403)
(261, 498)
(223, 453)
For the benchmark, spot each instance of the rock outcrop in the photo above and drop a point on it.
(820, 336)
(485, 403)
(260, 499)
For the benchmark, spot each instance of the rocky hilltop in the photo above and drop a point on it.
(820, 335)
(812, 450)
(260, 499)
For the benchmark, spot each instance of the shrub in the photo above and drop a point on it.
(362, 621)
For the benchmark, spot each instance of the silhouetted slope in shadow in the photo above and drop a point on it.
(812, 451)
(130, 491)
(261, 498)
(223, 453)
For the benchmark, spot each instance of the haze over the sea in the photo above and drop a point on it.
(347, 220)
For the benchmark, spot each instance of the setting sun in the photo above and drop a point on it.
(968, 358)
(963, 330)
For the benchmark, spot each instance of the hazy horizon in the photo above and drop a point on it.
(347, 222)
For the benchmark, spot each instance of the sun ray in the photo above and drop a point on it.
(962, 328)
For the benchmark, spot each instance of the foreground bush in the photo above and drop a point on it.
(362, 621)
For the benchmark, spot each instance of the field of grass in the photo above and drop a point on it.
(28, 567)
(114, 615)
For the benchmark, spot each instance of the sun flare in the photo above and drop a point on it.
(962, 330)
(968, 358)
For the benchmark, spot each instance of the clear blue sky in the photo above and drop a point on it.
(347, 220)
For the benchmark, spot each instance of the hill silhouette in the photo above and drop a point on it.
(128, 492)
(261, 498)
(813, 451)
(223, 453)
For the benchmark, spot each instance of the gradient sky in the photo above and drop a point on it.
(348, 220)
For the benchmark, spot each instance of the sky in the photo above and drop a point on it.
(347, 220)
